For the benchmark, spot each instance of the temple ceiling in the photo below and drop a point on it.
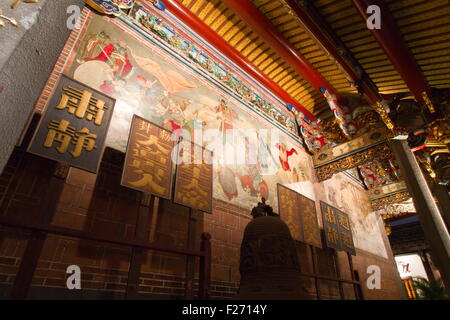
(424, 26)
(365, 86)
(237, 33)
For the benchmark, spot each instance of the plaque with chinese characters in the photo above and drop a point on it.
(194, 177)
(290, 211)
(337, 227)
(74, 126)
(148, 162)
(345, 232)
(299, 213)
(311, 230)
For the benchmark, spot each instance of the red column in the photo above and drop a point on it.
(391, 41)
(193, 22)
(267, 31)
(372, 96)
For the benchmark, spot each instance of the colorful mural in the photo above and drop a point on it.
(148, 82)
(349, 197)
(179, 42)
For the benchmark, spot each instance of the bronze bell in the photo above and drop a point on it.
(269, 264)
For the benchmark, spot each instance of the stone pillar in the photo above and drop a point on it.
(27, 57)
(426, 264)
(443, 198)
(430, 218)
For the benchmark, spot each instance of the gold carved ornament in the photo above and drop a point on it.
(384, 115)
(379, 152)
(382, 203)
(428, 102)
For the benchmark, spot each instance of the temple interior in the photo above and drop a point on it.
(225, 150)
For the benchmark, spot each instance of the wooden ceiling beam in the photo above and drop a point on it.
(196, 24)
(393, 44)
(262, 26)
(311, 19)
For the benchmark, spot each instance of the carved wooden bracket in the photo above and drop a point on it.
(378, 152)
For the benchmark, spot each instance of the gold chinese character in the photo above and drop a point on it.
(332, 235)
(329, 215)
(144, 126)
(193, 193)
(82, 104)
(148, 153)
(153, 141)
(83, 139)
(347, 240)
(147, 179)
(59, 132)
(165, 135)
(135, 163)
(343, 222)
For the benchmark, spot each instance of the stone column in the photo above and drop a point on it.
(443, 198)
(27, 57)
(429, 215)
(426, 264)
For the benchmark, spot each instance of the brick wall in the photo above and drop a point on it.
(97, 203)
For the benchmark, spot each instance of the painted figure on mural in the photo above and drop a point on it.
(284, 156)
(226, 115)
(343, 193)
(149, 82)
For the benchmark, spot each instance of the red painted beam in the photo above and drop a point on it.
(372, 96)
(250, 14)
(202, 29)
(393, 44)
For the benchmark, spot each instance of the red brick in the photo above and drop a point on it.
(37, 281)
(220, 272)
(70, 220)
(106, 228)
(236, 237)
(173, 284)
(69, 194)
(116, 286)
(55, 282)
(145, 289)
(85, 199)
(92, 285)
(7, 260)
(8, 269)
(220, 233)
(81, 178)
(162, 290)
(153, 283)
(50, 274)
(230, 220)
(3, 278)
(43, 264)
(230, 256)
